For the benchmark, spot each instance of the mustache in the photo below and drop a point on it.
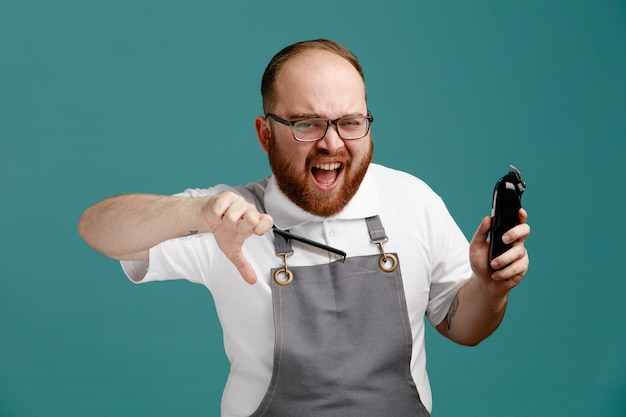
(323, 153)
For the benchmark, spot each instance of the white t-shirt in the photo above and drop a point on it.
(433, 254)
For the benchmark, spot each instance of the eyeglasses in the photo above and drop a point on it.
(311, 130)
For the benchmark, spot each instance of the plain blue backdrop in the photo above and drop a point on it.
(105, 97)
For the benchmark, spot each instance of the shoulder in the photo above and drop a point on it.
(402, 197)
(252, 191)
(401, 182)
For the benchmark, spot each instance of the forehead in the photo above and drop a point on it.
(318, 82)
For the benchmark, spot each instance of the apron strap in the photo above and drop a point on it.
(374, 226)
(376, 230)
(282, 246)
(387, 262)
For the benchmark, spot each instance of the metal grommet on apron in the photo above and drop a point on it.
(282, 276)
(387, 262)
(343, 342)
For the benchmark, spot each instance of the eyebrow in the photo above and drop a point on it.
(317, 116)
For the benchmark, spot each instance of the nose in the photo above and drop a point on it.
(331, 141)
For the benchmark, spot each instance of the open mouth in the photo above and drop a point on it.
(326, 174)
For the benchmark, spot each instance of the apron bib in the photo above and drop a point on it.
(343, 339)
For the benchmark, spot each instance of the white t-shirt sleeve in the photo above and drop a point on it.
(450, 268)
(188, 257)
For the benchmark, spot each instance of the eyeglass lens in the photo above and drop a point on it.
(352, 127)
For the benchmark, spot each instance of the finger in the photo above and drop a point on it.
(237, 211)
(518, 233)
(509, 257)
(522, 215)
(218, 206)
(241, 216)
(255, 222)
(264, 225)
(514, 271)
(248, 221)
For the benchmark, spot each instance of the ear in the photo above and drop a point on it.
(263, 131)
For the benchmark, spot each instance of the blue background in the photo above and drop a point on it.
(105, 97)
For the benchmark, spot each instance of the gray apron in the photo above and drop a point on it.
(343, 339)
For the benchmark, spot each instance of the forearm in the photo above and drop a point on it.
(475, 313)
(133, 223)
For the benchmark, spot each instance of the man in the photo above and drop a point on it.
(316, 336)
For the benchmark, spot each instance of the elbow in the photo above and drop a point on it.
(463, 338)
(469, 342)
(86, 230)
(95, 235)
(84, 226)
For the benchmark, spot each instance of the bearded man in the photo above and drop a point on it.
(308, 334)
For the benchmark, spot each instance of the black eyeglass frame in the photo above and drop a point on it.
(369, 118)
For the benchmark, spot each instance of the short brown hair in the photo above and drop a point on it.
(275, 65)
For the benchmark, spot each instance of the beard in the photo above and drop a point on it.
(294, 181)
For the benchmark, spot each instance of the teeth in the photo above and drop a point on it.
(328, 167)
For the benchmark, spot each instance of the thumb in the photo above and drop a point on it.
(243, 266)
(480, 236)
